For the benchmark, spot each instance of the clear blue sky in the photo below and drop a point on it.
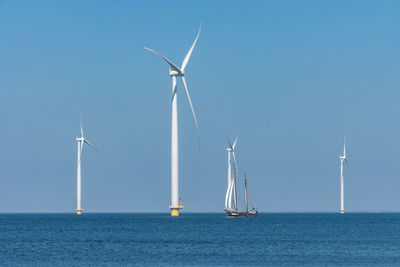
(290, 78)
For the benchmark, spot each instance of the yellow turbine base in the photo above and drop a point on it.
(79, 212)
(342, 211)
(175, 210)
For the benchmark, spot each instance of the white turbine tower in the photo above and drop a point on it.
(231, 190)
(342, 159)
(80, 141)
(174, 72)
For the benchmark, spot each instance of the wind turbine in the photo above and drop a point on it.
(342, 159)
(80, 140)
(231, 181)
(175, 72)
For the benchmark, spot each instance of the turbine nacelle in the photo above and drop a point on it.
(82, 139)
(174, 70)
(176, 73)
(231, 147)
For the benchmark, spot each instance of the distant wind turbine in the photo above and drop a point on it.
(342, 159)
(81, 140)
(175, 71)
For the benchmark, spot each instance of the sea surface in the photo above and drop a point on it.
(352, 239)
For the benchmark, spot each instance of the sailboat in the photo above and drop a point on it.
(231, 192)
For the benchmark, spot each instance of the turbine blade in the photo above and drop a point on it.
(191, 107)
(347, 163)
(186, 60)
(344, 148)
(172, 65)
(229, 142)
(81, 127)
(90, 144)
(234, 143)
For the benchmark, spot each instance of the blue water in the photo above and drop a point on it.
(199, 239)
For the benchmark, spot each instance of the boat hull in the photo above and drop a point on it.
(252, 213)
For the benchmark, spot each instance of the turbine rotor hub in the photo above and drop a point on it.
(175, 73)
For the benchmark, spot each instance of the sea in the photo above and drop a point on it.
(200, 239)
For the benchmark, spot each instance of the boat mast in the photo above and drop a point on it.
(245, 192)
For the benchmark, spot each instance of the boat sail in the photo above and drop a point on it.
(231, 192)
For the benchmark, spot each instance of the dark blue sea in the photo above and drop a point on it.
(353, 239)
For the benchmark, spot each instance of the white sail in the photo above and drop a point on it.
(230, 195)
(234, 192)
(227, 197)
(231, 190)
(231, 185)
(229, 180)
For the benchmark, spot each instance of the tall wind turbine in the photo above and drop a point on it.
(80, 140)
(231, 190)
(175, 72)
(342, 159)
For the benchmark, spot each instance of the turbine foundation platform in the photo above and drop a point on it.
(342, 211)
(175, 210)
(78, 212)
